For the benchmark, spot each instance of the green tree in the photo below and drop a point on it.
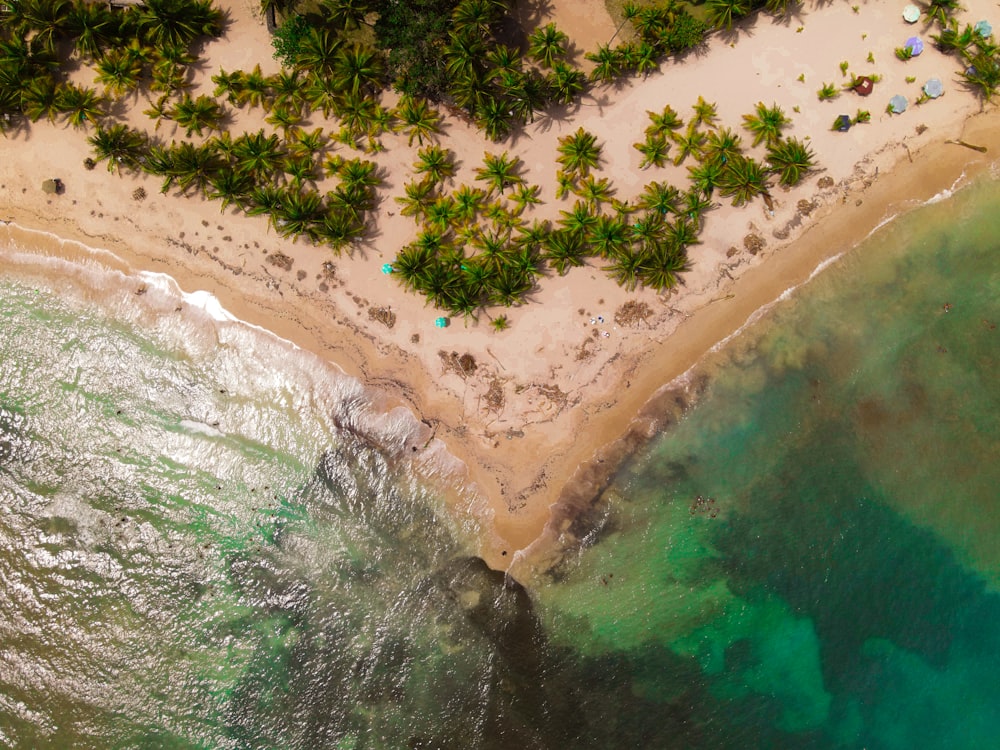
(119, 145)
(724, 13)
(766, 123)
(435, 162)
(195, 115)
(565, 83)
(118, 72)
(417, 119)
(579, 152)
(499, 171)
(654, 151)
(791, 159)
(564, 249)
(547, 45)
(357, 69)
(82, 106)
(180, 22)
(90, 26)
(743, 179)
(607, 64)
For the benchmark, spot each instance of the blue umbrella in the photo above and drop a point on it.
(441, 323)
(934, 88)
(898, 104)
(387, 268)
(983, 28)
(914, 45)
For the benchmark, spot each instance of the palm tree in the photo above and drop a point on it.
(579, 219)
(547, 45)
(499, 171)
(661, 265)
(317, 51)
(524, 196)
(565, 83)
(706, 175)
(90, 25)
(766, 123)
(791, 160)
(941, 11)
(743, 179)
(626, 267)
(494, 116)
(690, 144)
(705, 113)
(441, 214)
(118, 72)
(503, 59)
(659, 198)
(595, 191)
(647, 231)
(194, 166)
(230, 187)
(357, 69)
(301, 168)
(417, 118)
(80, 105)
(468, 201)
(299, 213)
(609, 235)
(564, 249)
(119, 144)
(285, 117)
(579, 152)
(346, 14)
(607, 64)
(47, 19)
(230, 85)
(359, 173)
(195, 115)
(665, 123)
(509, 286)
(255, 88)
(418, 195)
(286, 88)
(654, 151)
(724, 13)
(258, 155)
(476, 16)
(165, 22)
(40, 98)
(722, 145)
(308, 142)
(339, 229)
(983, 75)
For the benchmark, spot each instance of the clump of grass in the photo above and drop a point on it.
(500, 323)
(863, 115)
(911, 79)
(871, 58)
(904, 53)
(828, 92)
(843, 67)
(801, 78)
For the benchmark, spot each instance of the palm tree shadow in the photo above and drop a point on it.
(556, 114)
(744, 27)
(794, 12)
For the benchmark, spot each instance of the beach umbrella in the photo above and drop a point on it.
(441, 323)
(911, 13)
(934, 88)
(898, 104)
(914, 45)
(864, 86)
(842, 123)
(387, 268)
(983, 28)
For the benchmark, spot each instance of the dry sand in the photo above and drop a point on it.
(553, 403)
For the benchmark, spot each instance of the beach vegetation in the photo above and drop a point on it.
(607, 64)
(689, 144)
(871, 58)
(664, 123)
(743, 179)
(790, 160)
(904, 53)
(827, 92)
(500, 323)
(862, 116)
(766, 123)
(654, 151)
(119, 145)
(435, 162)
(705, 113)
(417, 119)
(910, 79)
(499, 171)
(844, 65)
(722, 14)
(82, 106)
(196, 115)
(578, 152)
(941, 11)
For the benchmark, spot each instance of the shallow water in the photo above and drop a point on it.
(817, 539)
(194, 552)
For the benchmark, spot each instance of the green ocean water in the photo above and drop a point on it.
(208, 540)
(816, 544)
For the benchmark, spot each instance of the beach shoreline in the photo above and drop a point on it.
(565, 422)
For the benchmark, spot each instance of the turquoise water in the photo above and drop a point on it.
(195, 554)
(815, 544)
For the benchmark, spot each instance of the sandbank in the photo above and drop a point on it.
(553, 405)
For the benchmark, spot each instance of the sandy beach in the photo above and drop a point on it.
(553, 404)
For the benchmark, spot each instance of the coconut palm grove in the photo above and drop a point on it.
(361, 78)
